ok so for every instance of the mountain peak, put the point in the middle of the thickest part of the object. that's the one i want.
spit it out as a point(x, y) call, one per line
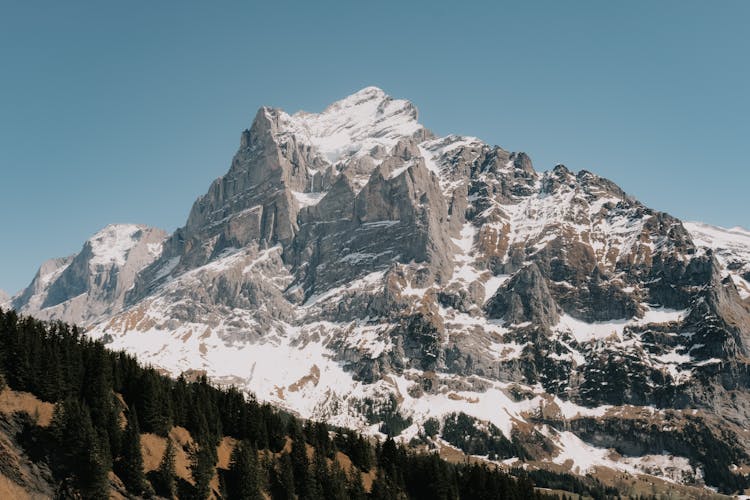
point(367, 93)
point(354, 125)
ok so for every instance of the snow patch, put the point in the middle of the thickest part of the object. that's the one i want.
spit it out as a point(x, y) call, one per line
point(308, 199)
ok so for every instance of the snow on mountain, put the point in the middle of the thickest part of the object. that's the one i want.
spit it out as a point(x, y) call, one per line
point(351, 266)
point(113, 244)
point(358, 124)
point(732, 250)
point(90, 285)
point(4, 297)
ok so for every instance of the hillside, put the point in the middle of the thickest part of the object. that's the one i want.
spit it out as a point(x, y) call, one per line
point(69, 426)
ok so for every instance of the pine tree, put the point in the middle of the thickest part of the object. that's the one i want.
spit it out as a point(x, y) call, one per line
point(202, 469)
point(130, 466)
point(282, 479)
point(331, 478)
point(361, 452)
point(354, 487)
point(300, 463)
point(166, 484)
point(82, 455)
point(155, 407)
point(382, 489)
point(243, 481)
point(319, 476)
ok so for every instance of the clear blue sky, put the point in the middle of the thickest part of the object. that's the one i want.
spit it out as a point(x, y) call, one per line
point(126, 111)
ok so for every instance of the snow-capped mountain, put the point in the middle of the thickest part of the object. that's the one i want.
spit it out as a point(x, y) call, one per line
point(90, 285)
point(352, 266)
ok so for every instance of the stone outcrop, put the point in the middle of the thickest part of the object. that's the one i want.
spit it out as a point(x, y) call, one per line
point(525, 298)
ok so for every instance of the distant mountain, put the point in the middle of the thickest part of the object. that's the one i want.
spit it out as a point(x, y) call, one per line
point(91, 284)
point(354, 267)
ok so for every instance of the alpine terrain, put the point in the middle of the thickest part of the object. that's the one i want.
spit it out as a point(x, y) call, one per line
point(355, 268)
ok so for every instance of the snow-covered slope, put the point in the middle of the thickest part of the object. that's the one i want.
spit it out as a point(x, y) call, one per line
point(354, 126)
point(352, 266)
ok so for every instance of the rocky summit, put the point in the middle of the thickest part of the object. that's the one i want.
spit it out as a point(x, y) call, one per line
point(354, 267)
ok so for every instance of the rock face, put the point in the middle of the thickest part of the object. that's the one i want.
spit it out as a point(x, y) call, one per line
point(352, 266)
point(91, 285)
point(525, 298)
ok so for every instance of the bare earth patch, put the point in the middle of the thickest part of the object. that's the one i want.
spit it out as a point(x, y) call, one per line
point(9, 489)
point(313, 376)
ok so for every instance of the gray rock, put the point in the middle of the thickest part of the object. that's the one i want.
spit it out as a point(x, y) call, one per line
point(525, 298)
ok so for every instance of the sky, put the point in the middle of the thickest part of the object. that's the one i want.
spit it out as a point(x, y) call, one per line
point(126, 111)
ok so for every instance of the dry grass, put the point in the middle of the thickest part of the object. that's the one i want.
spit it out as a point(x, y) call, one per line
point(224, 451)
point(368, 478)
point(118, 488)
point(641, 484)
point(9, 489)
point(279, 392)
point(14, 402)
point(153, 448)
point(559, 493)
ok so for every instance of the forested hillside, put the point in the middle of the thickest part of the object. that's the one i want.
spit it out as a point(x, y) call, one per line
point(105, 401)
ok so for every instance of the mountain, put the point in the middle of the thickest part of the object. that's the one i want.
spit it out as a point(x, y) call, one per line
point(4, 297)
point(91, 284)
point(354, 267)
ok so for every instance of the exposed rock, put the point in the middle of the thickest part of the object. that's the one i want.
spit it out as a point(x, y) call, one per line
point(525, 298)
point(20, 476)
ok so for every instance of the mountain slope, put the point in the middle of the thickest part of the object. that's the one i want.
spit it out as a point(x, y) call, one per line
point(351, 266)
point(91, 285)
point(77, 435)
